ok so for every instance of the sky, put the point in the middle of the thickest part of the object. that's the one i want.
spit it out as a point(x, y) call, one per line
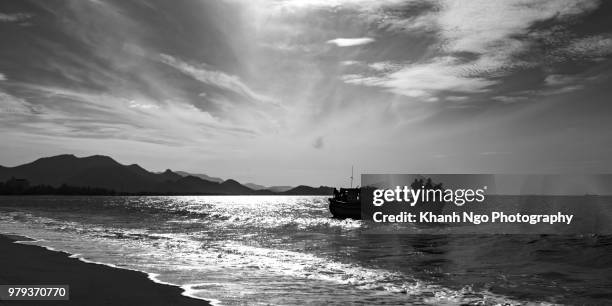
point(290, 92)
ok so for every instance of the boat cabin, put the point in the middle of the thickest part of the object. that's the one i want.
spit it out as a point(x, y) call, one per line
point(347, 194)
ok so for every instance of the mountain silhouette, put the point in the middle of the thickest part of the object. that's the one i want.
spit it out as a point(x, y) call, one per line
point(280, 188)
point(255, 186)
point(168, 175)
point(100, 171)
point(277, 189)
point(307, 190)
point(202, 176)
point(235, 187)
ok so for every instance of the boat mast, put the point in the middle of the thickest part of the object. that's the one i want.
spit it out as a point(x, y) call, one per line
point(351, 176)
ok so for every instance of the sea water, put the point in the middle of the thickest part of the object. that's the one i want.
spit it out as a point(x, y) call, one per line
point(287, 250)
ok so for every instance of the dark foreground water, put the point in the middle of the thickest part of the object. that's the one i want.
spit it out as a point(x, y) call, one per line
point(287, 250)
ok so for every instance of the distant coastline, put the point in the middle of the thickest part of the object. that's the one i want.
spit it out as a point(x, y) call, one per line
point(93, 191)
point(102, 175)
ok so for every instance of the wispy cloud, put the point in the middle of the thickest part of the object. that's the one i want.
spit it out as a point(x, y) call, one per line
point(478, 41)
point(510, 99)
point(590, 47)
point(135, 104)
point(349, 42)
point(456, 98)
point(564, 83)
point(204, 73)
point(425, 79)
point(179, 80)
point(559, 79)
point(364, 5)
point(554, 84)
point(16, 17)
point(561, 90)
point(11, 106)
point(102, 116)
point(481, 26)
point(350, 63)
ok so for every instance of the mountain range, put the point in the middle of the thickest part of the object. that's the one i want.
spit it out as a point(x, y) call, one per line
point(202, 176)
point(272, 188)
point(100, 171)
point(253, 186)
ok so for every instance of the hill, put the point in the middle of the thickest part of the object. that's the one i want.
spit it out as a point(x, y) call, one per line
point(280, 188)
point(202, 176)
point(103, 172)
point(307, 190)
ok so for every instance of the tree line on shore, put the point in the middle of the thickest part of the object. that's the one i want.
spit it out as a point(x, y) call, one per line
point(14, 186)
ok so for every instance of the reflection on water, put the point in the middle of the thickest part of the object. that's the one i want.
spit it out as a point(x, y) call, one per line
point(287, 250)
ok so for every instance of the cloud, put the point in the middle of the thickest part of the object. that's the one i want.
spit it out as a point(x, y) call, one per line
point(349, 42)
point(561, 90)
point(11, 105)
point(477, 43)
point(205, 74)
point(289, 47)
point(592, 46)
point(385, 66)
point(456, 98)
point(556, 84)
point(477, 26)
point(363, 5)
point(16, 17)
point(70, 113)
point(510, 99)
point(349, 63)
point(179, 80)
point(563, 83)
point(559, 79)
point(117, 85)
point(134, 104)
point(426, 79)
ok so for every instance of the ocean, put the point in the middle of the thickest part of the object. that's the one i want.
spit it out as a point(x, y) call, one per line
point(287, 250)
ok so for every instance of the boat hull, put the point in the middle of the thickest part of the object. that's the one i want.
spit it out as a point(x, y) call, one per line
point(345, 210)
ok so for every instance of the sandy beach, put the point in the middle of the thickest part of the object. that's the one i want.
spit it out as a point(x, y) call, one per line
point(90, 284)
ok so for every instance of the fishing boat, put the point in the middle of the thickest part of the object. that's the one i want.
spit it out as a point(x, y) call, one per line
point(345, 204)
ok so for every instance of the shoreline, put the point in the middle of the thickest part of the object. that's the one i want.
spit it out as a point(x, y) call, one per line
point(163, 195)
point(91, 283)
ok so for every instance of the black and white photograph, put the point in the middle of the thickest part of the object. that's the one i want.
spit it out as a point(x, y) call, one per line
point(305, 152)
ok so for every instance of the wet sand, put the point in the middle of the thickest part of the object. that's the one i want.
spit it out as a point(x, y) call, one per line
point(90, 284)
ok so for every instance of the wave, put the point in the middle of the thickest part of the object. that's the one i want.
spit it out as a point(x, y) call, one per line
point(239, 250)
point(313, 268)
point(187, 290)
